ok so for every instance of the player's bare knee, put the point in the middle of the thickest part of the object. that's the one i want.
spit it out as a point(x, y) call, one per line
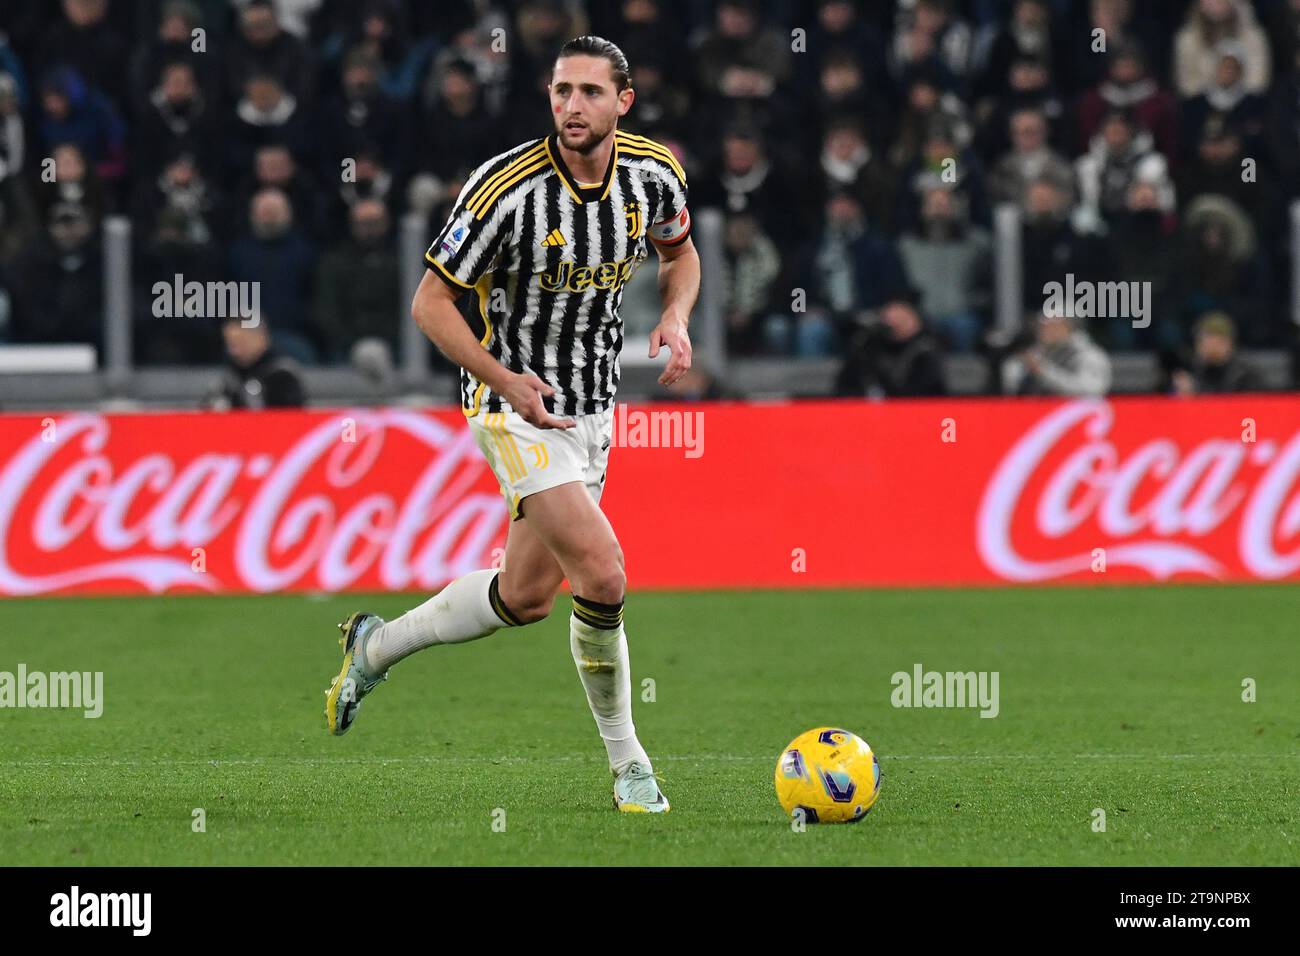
point(605, 580)
point(534, 609)
point(527, 602)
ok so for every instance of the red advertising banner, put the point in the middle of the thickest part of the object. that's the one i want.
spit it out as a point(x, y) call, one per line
point(945, 492)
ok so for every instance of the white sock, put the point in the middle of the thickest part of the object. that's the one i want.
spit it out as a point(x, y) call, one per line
point(462, 611)
point(602, 661)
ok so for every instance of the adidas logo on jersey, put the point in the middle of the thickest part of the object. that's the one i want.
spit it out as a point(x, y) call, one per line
point(556, 238)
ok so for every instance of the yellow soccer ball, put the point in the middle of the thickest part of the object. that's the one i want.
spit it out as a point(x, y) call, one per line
point(831, 775)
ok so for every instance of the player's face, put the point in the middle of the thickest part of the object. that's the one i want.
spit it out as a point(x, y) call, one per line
point(584, 101)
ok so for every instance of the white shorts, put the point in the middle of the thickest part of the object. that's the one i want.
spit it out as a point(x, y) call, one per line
point(526, 459)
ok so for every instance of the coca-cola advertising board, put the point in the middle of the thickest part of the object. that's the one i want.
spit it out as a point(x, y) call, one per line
point(731, 495)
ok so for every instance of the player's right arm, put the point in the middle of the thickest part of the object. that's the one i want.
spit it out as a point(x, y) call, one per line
point(434, 311)
point(461, 254)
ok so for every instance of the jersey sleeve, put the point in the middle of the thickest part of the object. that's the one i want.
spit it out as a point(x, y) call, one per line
point(674, 219)
point(467, 246)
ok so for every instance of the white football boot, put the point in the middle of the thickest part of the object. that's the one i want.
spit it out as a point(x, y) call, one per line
point(343, 698)
point(637, 791)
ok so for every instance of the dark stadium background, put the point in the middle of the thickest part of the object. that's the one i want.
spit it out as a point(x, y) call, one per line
point(817, 131)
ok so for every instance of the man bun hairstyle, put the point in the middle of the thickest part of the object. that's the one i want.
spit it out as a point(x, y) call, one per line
point(602, 49)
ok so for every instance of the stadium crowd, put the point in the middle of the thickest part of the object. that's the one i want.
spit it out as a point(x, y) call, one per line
point(856, 149)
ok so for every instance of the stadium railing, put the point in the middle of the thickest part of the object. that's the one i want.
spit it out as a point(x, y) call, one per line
point(34, 377)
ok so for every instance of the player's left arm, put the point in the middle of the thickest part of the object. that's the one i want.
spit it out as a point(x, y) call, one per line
point(679, 286)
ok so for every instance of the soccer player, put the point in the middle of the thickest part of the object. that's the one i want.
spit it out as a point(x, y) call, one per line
point(545, 236)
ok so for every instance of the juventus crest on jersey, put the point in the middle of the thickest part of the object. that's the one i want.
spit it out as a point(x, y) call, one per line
point(548, 257)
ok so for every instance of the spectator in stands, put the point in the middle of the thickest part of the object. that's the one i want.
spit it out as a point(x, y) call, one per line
point(1197, 46)
point(644, 26)
point(1141, 250)
point(372, 180)
point(1216, 169)
point(895, 358)
point(457, 129)
point(1050, 246)
point(75, 184)
point(257, 376)
point(176, 119)
point(358, 287)
point(948, 258)
point(1226, 100)
point(85, 41)
point(174, 248)
point(848, 162)
point(1215, 366)
point(174, 42)
point(1062, 360)
point(72, 112)
point(1031, 88)
point(13, 151)
point(842, 91)
point(1221, 269)
point(1113, 22)
point(362, 115)
point(1119, 156)
point(741, 55)
point(268, 113)
point(1130, 88)
point(18, 219)
point(400, 58)
point(181, 191)
point(261, 49)
point(1031, 160)
point(943, 164)
point(927, 106)
point(274, 167)
point(59, 282)
point(751, 264)
point(852, 268)
point(277, 255)
point(663, 103)
point(540, 28)
point(749, 181)
point(841, 26)
point(930, 34)
point(15, 77)
point(12, 133)
point(1029, 33)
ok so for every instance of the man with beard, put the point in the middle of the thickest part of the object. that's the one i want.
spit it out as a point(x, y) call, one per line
point(547, 234)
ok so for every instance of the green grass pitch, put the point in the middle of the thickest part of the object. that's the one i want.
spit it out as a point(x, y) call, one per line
point(1125, 699)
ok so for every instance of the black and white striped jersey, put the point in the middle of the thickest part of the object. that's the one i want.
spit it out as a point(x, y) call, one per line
point(547, 257)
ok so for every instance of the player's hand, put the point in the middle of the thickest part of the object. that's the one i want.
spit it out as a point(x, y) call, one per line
point(524, 393)
point(670, 333)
